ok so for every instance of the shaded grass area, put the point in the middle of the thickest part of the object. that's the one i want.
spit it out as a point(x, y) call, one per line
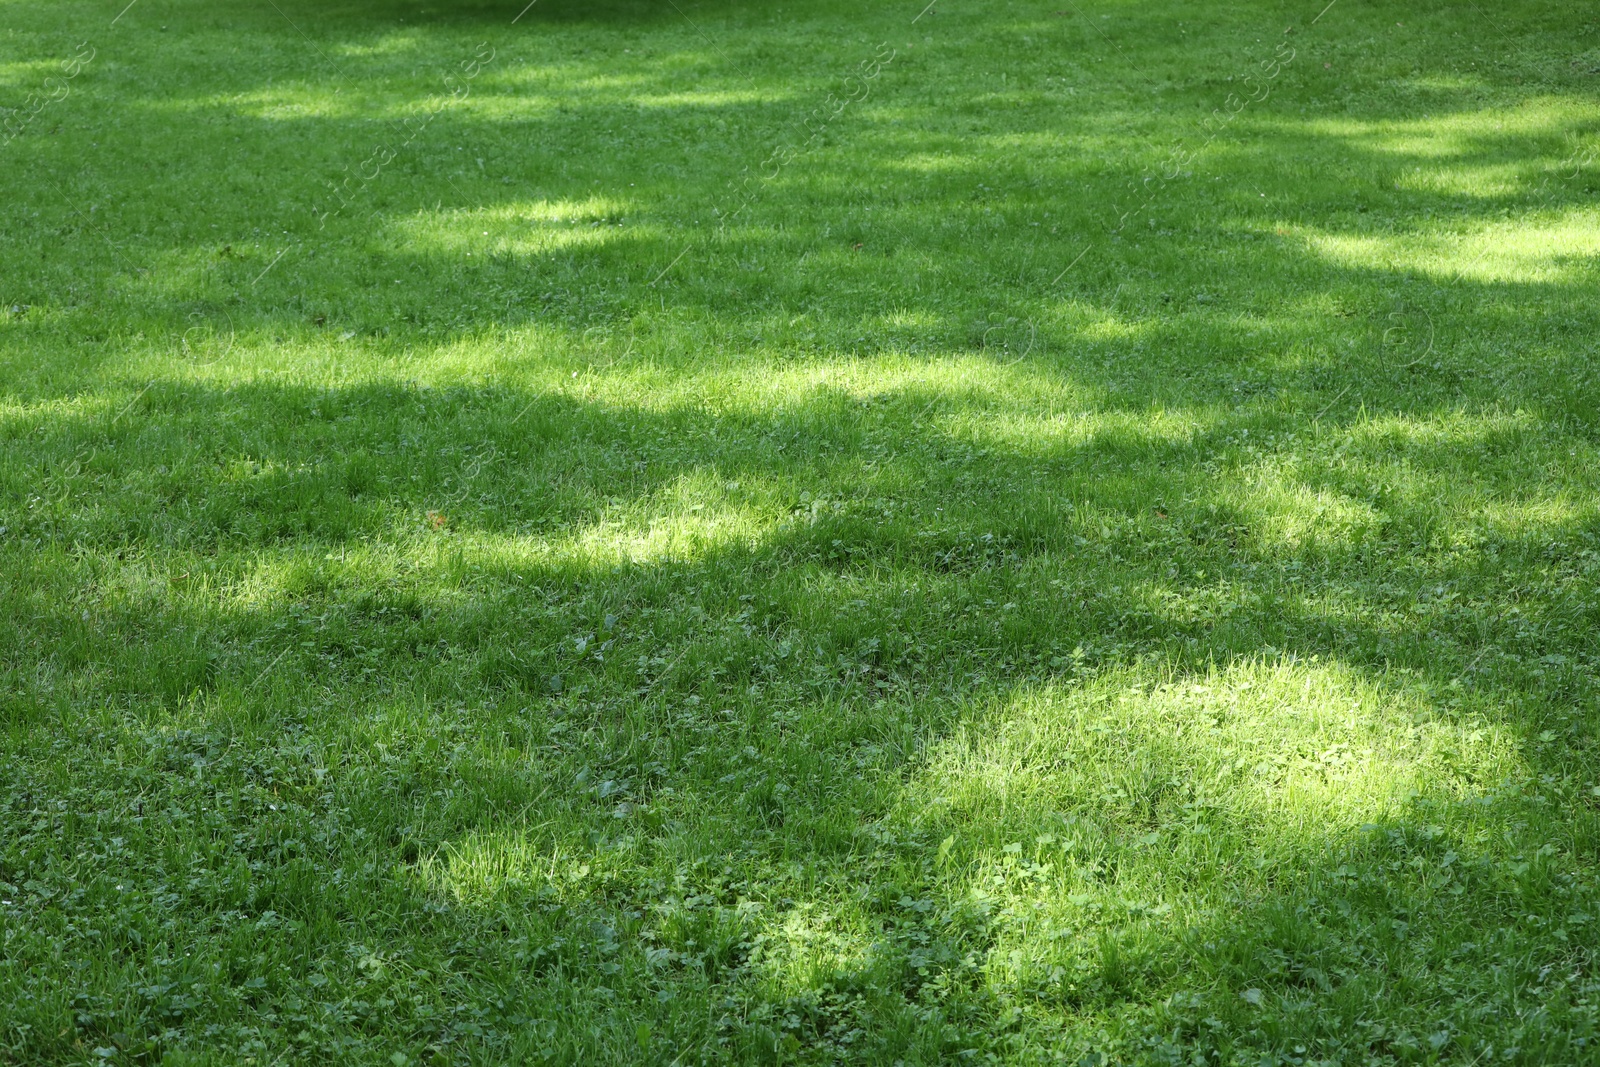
point(559, 582)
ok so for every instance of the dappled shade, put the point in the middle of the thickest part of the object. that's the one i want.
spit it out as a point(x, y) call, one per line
point(1000, 592)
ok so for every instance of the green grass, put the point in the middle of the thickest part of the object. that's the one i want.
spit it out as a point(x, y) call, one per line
point(799, 533)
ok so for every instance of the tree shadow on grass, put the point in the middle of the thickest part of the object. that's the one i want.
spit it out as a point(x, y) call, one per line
point(679, 676)
point(1282, 313)
point(866, 628)
point(842, 235)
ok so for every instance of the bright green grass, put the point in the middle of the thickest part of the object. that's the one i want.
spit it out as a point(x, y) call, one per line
point(550, 614)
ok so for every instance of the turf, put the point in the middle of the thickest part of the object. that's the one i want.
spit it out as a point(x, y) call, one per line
point(728, 533)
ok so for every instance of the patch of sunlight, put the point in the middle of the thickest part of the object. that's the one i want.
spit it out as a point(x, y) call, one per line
point(579, 80)
point(278, 102)
point(1281, 751)
point(697, 514)
point(530, 227)
point(1107, 327)
point(17, 416)
point(25, 76)
point(545, 361)
point(1142, 802)
point(1490, 180)
point(1513, 251)
point(1041, 144)
point(1441, 465)
point(1460, 434)
point(1138, 793)
point(540, 359)
point(393, 43)
point(1283, 514)
point(931, 163)
point(1447, 83)
point(641, 88)
point(1086, 321)
point(1458, 132)
point(703, 98)
point(762, 387)
point(492, 865)
point(108, 402)
point(402, 115)
point(813, 946)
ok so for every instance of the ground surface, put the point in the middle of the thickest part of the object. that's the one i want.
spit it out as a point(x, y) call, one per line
point(710, 532)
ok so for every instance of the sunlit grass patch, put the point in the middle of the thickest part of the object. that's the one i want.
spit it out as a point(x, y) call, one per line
point(278, 103)
point(1561, 251)
point(1487, 180)
point(1081, 846)
point(1460, 133)
point(1091, 828)
point(507, 866)
point(1284, 756)
point(517, 229)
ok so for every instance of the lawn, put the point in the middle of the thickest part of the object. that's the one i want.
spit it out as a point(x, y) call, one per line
point(691, 532)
